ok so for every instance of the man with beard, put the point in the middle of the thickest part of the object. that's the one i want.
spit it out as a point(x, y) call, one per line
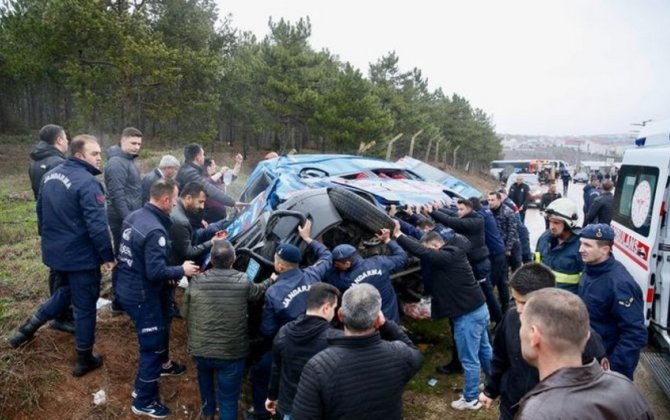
point(558, 247)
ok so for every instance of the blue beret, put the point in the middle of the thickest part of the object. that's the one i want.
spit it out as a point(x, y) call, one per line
point(343, 252)
point(599, 231)
point(289, 253)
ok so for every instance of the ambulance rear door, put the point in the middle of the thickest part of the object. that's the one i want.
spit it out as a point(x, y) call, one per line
point(639, 223)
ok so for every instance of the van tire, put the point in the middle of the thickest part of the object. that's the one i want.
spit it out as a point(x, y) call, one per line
point(357, 209)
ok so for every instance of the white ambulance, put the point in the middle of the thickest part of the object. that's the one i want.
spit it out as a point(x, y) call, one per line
point(639, 219)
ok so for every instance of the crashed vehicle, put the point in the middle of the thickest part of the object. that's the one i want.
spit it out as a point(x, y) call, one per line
point(431, 173)
point(345, 197)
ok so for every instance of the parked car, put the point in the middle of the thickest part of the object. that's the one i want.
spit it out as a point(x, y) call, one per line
point(345, 197)
point(536, 189)
point(431, 173)
point(581, 177)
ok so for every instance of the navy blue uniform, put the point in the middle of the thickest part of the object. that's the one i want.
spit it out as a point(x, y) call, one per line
point(562, 259)
point(616, 312)
point(377, 272)
point(143, 272)
point(72, 220)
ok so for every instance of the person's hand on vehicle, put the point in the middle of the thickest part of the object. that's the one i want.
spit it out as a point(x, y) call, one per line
point(190, 269)
point(384, 235)
point(485, 401)
point(396, 229)
point(271, 406)
point(305, 231)
point(392, 210)
point(221, 235)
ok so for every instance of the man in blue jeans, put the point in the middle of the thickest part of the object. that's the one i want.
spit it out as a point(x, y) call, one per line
point(459, 297)
point(72, 221)
point(143, 272)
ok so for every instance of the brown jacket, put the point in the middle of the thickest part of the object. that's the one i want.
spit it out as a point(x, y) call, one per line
point(586, 392)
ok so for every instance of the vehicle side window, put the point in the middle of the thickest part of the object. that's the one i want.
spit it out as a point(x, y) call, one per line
point(634, 199)
point(260, 185)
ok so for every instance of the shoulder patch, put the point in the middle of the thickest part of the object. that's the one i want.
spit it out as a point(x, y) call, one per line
point(126, 234)
point(626, 302)
point(161, 241)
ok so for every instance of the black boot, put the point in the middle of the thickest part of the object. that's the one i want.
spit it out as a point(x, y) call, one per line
point(62, 325)
point(86, 362)
point(25, 332)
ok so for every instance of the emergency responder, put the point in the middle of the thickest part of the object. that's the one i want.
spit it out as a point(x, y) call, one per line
point(143, 273)
point(72, 221)
point(350, 268)
point(558, 247)
point(613, 299)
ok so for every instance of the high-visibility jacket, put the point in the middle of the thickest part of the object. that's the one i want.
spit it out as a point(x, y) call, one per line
point(562, 259)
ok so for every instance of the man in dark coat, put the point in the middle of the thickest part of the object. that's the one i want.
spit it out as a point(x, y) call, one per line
point(613, 299)
point(47, 154)
point(363, 373)
point(72, 221)
point(590, 193)
point(167, 168)
point(554, 330)
point(457, 296)
point(193, 170)
point(600, 210)
point(143, 274)
point(519, 192)
point(296, 343)
point(124, 188)
point(546, 199)
point(350, 268)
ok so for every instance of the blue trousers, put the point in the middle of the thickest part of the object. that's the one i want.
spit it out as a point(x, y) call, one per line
point(220, 380)
point(474, 348)
point(260, 379)
point(150, 329)
point(81, 288)
point(499, 279)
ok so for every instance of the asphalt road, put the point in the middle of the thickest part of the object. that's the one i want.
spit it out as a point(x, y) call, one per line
point(644, 380)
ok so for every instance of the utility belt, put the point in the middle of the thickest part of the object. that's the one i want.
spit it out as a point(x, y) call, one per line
point(560, 277)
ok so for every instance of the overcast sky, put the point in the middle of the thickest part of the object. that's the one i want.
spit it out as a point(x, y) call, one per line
point(538, 67)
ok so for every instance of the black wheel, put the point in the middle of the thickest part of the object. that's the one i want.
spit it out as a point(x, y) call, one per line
point(358, 210)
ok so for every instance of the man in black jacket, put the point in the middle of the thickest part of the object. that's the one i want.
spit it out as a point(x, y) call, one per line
point(546, 199)
point(167, 168)
point(193, 171)
point(363, 373)
point(601, 208)
point(519, 193)
point(124, 188)
point(296, 343)
point(458, 296)
point(511, 376)
point(47, 154)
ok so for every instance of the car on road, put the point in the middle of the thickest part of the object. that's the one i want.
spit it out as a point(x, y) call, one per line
point(536, 189)
point(581, 177)
point(345, 197)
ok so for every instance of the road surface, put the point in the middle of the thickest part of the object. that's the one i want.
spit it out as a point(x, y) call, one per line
point(644, 381)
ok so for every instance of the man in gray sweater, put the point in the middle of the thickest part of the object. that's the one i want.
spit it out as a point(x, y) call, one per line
point(215, 309)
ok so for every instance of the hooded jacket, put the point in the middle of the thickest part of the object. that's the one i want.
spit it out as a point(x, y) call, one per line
point(44, 157)
point(123, 182)
point(215, 309)
point(72, 219)
point(294, 344)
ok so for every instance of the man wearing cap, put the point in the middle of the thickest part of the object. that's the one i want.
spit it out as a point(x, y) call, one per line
point(350, 268)
point(613, 299)
point(167, 168)
point(284, 302)
point(558, 247)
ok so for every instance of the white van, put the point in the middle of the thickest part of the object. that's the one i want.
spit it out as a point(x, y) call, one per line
point(639, 219)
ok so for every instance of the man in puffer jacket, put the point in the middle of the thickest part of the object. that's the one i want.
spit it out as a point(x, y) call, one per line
point(215, 309)
point(296, 343)
point(124, 188)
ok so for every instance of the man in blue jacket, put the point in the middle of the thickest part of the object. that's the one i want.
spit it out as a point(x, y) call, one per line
point(350, 268)
point(613, 299)
point(590, 193)
point(72, 221)
point(285, 301)
point(143, 273)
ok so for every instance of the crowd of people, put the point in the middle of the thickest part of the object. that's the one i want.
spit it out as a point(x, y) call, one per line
point(567, 327)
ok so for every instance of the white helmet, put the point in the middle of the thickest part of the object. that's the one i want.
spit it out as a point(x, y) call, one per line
point(563, 209)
